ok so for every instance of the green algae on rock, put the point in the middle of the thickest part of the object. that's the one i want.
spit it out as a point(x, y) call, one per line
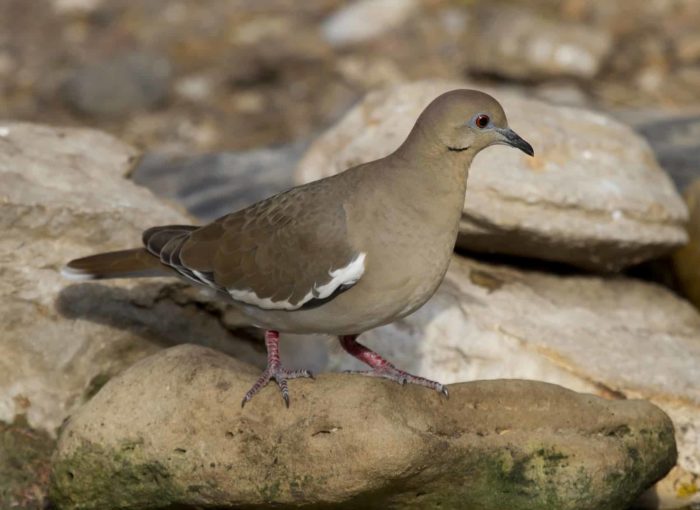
point(170, 432)
point(24, 465)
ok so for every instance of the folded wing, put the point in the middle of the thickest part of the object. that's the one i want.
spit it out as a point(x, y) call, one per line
point(285, 253)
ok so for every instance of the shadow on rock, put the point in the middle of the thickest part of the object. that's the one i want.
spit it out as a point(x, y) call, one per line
point(167, 315)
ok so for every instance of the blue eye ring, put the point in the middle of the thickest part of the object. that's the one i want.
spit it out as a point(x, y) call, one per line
point(482, 121)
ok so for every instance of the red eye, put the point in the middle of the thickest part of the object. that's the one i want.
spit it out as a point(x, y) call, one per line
point(482, 121)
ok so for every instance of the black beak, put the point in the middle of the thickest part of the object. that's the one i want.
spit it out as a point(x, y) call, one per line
point(513, 139)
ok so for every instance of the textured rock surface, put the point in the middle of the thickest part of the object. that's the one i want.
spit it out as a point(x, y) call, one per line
point(170, 431)
point(687, 259)
point(519, 44)
point(619, 338)
point(63, 195)
point(593, 195)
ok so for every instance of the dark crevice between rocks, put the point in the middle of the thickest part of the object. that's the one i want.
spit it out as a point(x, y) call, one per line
point(524, 263)
point(659, 270)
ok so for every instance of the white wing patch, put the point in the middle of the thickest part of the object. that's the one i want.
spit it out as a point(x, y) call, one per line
point(206, 280)
point(344, 276)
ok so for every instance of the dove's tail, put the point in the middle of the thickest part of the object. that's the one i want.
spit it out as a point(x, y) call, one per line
point(134, 263)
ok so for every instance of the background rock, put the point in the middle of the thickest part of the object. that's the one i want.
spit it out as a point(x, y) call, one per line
point(653, 63)
point(592, 196)
point(120, 85)
point(618, 338)
point(63, 195)
point(363, 20)
point(676, 142)
point(518, 43)
point(350, 441)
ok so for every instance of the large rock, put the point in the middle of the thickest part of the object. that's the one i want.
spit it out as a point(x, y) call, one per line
point(619, 338)
point(63, 195)
point(593, 196)
point(518, 43)
point(120, 85)
point(364, 20)
point(170, 432)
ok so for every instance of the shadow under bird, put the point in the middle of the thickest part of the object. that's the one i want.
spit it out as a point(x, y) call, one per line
point(340, 255)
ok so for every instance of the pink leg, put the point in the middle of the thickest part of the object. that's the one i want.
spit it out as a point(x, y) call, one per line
point(382, 368)
point(274, 370)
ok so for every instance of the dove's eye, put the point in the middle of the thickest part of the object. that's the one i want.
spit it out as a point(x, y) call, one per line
point(482, 120)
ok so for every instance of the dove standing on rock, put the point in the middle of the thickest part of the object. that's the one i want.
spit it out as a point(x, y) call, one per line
point(340, 255)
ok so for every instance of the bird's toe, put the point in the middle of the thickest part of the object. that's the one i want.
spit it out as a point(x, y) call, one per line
point(280, 376)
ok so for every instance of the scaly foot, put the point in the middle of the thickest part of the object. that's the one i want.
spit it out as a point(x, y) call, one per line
point(394, 374)
point(274, 371)
point(280, 375)
point(382, 368)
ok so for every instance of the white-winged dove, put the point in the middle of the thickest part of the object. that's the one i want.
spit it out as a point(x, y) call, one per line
point(340, 255)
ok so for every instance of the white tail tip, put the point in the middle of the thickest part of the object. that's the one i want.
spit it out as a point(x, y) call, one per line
point(76, 274)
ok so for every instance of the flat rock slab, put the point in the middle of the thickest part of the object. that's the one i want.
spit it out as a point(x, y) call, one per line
point(170, 431)
point(63, 195)
point(517, 43)
point(593, 195)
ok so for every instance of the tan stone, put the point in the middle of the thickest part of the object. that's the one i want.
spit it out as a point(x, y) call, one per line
point(170, 431)
point(517, 43)
point(63, 195)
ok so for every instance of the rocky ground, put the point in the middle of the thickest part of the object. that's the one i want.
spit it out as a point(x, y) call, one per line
point(578, 267)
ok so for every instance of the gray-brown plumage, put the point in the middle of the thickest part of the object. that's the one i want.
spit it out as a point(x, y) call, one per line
point(340, 255)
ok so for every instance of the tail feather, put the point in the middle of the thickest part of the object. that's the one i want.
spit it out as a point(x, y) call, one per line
point(137, 262)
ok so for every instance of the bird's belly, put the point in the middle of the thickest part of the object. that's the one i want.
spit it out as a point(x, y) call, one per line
point(384, 294)
point(349, 313)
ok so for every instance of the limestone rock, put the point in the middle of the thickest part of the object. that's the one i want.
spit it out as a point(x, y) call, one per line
point(170, 431)
point(364, 20)
point(619, 338)
point(63, 195)
point(120, 85)
point(517, 43)
point(687, 259)
point(593, 196)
